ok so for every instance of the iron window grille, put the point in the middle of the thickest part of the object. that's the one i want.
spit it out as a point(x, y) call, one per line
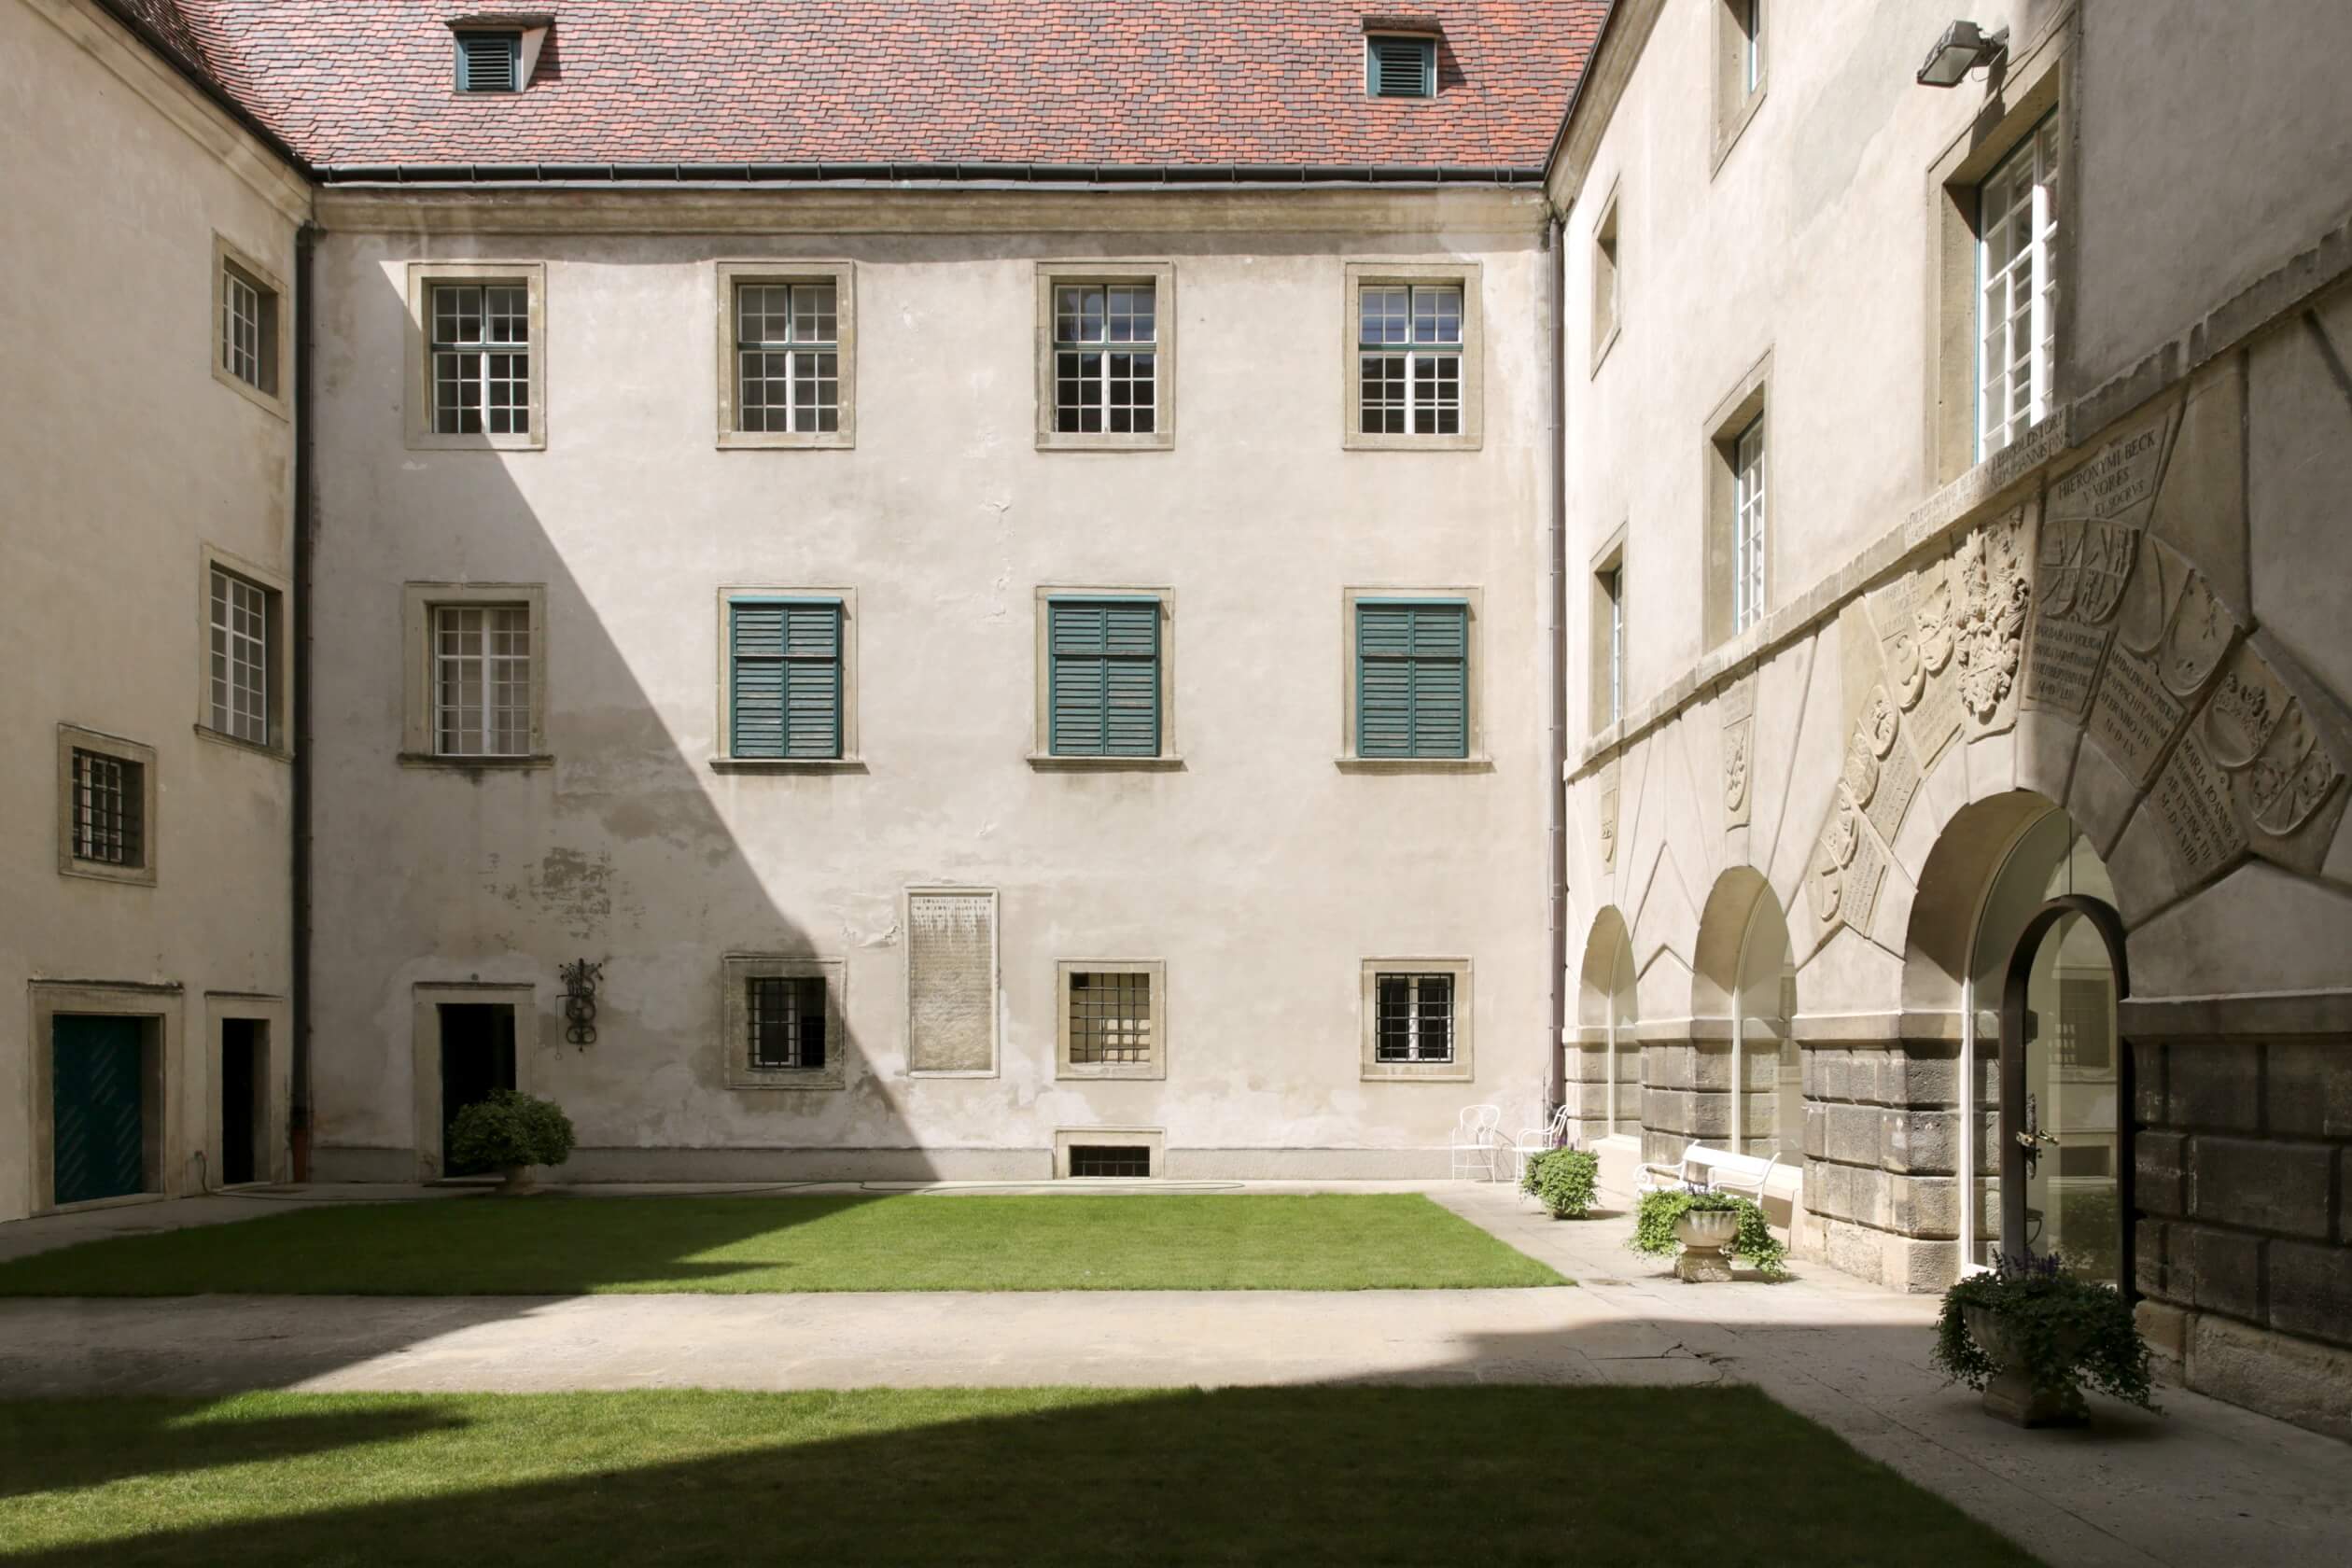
point(240, 658)
point(489, 61)
point(1409, 351)
point(109, 806)
point(1748, 526)
point(1110, 1018)
point(481, 680)
point(1400, 67)
point(788, 357)
point(1415, 1019)
point(245, 336)
point(1106, 358)
point(1109, 1160)
point(481, 351)
point(2017, 323)
point(785, 1018)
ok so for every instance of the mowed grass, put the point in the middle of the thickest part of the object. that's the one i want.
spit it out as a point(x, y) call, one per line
point(555, 1245)
point(1343, 1476)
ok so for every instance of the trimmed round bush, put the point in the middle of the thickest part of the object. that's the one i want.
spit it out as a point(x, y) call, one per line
point(1563, 1181)
point(510, 1129)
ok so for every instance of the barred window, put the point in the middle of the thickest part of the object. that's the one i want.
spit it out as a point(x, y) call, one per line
point(109, 808)
point(481, 349)
point(240, 672)
point(788, 357)
point(1110, 1018)
point(1409, 353)
point(1415, 1018)
point(1106, 358)
point(786, 1018)
point(481, 680)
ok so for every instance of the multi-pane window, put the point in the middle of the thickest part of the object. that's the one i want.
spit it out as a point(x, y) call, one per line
point(245, 307)
point(1106, 358)
point(784, 679)
point(2017, 321)
point(107, 818)
point(785, 1021)
point(1408, 341)
point(1415, 1022)
point(240, 670)
point(1110, 1018)
point(1412, 677)
point(1103, 677)
point(481, 680)
point(480, 348)
point(1748, 526)
point(1613, 595)
point(788, 357)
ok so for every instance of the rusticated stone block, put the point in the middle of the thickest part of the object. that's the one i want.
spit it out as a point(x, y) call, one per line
point(2159, 1161)
point(1836, 1191)
point(2311, 1290)
point(2260, 1184)
point(2279, 1374)
point(1923, 1074)
point(1855, 1250)
point(1711, 1065)
point(1925, 1207)
point(1810, 1070)
point(1835, 1071)
point(1809, 1188)
point(2166, 1330)
point(1854, 1134)
point(1923, 1142)
point(1666, 1111)
point(2309, 1089)
point(2147, 1085)
point(1871, 1204)
point(2213, 1086)
point(1666, 1067)
point(1921, 1267)
point(1817, 1131)
point(2219, 1270)
point(2147, 1259)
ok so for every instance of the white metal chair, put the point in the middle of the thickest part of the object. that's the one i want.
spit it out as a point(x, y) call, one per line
point(1534, 1140)
point(1476, 1141)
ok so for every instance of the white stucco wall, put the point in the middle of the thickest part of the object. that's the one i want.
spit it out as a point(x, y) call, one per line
point(1261, 873)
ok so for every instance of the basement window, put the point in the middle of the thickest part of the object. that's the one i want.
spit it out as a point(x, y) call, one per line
point(1108, 1159)
point(1400, 67)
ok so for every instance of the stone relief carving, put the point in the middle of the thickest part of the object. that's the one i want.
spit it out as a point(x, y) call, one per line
point(1860, 776)
point(1992, 622)
point(1608, 788)
point(2169, 641)
point(951, 975)
point(1739, 740)
point(2090, 526)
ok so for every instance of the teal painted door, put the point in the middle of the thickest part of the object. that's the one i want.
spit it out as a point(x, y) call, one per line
point(98, 1111)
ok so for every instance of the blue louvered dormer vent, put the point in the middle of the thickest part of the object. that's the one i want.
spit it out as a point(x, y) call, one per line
point(489, 61)
point(1400, 67)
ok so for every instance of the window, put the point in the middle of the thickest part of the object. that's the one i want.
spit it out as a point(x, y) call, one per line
point(1109, 1160)
point(1414, 342)
point(1748, 526)
point(2016, 317)
point(1416, 1019)
point(786, 662)
point(1607, 316)
point(475, 691)
point(247, 358)
point(106, 798)
point(1112, 1021)
point(476, 377)
point(489, 61)
point(1752, 50)
point(1106, 376)
point(1739, 70)
point(1104, 686)
point(1400, 67)
point(1412, 677)
point(1608, 643)
point(786, 346)
point(242, 624)
point(783, 1019)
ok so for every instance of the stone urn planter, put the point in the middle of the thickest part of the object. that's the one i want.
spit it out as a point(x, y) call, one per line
point(515, 1180)
point(2010, 1393)
point(1703, 1234)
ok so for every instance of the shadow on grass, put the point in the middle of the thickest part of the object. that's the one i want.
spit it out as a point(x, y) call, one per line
point(148, 1439)
point(1298, 1476)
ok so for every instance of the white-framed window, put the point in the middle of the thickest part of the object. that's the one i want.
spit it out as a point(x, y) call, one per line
point(248, 353)
point(482, 680)
point(1752, 47)
point(1748, 526)
point(1408, 351)
point(1415, 1020)
point(240, 630)
point(481, 358)
point(1114, 1018)
point(1613, 597)
point(242, 318)
point(2017, 289)
point(788, 357)
point(1106, 358)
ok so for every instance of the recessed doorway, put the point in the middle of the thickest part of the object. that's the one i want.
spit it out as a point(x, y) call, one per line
point(477, 1059)
point(244, 1100)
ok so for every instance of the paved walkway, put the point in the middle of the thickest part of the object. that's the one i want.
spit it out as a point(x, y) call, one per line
point(2205, 1484)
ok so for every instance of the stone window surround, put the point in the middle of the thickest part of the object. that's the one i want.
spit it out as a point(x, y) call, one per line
point(1462, 1070)
point(72, 738)
point(1041, 755)
point(1162, 276)
point(159, 1009)
point(1748, 401)
point(418, 600)
point(426, 999)
point(277, 342)
point(735, 1011)
point(843, 276)
point(1607, 280)
point(1477, 760)
point(418, 401)
point(1466, 275)
point(1064, 1068)
point(277, 666)
point(1735, 102)
point(2033, 84)
point(1608, 559)
point(850, 760)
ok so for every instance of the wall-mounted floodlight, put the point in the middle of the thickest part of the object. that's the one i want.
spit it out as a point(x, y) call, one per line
point(1963, 48)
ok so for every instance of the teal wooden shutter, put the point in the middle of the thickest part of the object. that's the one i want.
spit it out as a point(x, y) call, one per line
point(784, 679)
point(489, 61)
point(1103, 677)
point(1412, 679)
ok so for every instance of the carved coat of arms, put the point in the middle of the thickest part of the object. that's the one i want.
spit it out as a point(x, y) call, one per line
point(1992, 616)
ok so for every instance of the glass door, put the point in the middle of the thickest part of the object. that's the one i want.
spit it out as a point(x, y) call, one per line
point(2064, 1137)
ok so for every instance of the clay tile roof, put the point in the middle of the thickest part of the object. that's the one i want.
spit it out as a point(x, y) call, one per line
point(1116, 82)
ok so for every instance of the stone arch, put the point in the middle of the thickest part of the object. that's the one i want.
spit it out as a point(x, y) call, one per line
point(1604, 1068)
point(1969, 851)
point(1745, 1065)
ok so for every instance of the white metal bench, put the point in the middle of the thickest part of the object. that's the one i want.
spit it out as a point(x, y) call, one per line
point(1714, 1170)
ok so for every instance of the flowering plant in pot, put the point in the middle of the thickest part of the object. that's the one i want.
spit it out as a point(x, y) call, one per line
point(510, 1132)
point(1702, 1230)
point(1562, 1181)
point(2029, 1335)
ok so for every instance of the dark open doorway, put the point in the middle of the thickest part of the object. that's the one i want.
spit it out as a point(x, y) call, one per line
point(477, 1056)
point(244, 1119)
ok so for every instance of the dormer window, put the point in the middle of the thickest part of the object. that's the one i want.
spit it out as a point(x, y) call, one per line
point(1400, 66)
point(489, 61)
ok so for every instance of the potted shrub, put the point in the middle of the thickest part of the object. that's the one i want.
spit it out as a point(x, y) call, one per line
point(2029, 1335)
point(511, 1132)
point(1562, 1181)
point(1702, 1231)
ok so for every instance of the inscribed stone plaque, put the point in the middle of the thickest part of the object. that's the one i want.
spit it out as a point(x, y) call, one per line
point(1897, 781)
point(1862, 879)
point(951, 982)
point(2193, 800)
point(2165, 653)
point(2090, 526)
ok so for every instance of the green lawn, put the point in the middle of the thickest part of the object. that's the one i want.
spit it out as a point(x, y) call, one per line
point(555, 1245)
point(1488, 1476)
